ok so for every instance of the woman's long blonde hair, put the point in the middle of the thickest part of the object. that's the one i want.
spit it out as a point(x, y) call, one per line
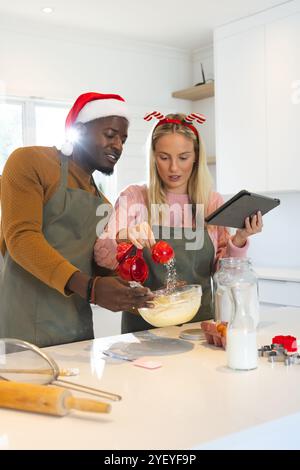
point(200, 182)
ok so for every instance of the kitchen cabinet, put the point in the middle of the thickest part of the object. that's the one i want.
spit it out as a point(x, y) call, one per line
point(283, 103)
point(257, 80)
point(279, 292)
point(105, 322)
point(240, 112)
point(279, 286)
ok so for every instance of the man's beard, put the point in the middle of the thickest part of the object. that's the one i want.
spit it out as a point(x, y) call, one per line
point(106, 171)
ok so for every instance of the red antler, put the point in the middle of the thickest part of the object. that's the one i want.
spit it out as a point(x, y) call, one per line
point(154, 114)
point(196, 117)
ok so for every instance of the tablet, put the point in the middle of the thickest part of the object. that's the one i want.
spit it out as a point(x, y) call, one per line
point(244, 204)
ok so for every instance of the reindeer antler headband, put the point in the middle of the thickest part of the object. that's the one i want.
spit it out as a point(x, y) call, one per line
point(186, 122)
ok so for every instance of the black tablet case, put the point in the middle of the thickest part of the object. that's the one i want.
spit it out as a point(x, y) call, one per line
point(244, 204)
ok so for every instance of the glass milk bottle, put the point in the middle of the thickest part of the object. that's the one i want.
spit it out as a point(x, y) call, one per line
point(241, 343)
point(232, 271)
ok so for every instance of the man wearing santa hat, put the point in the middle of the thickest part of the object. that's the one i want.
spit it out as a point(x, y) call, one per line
point(49, 202)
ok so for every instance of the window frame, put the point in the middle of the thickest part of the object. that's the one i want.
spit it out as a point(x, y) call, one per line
point(28, 105)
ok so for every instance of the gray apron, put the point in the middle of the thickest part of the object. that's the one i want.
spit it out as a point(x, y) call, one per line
point(29, 309)
point(192, 266)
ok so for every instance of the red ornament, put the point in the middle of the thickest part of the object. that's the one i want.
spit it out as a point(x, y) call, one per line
point(123, 250)
point(139, 270)
point(162, 252)
point(134, 268)
point(124, 269)
point(131, 268)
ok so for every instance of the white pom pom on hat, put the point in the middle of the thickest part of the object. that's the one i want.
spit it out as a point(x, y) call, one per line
point(67, 148)
point(90, 106)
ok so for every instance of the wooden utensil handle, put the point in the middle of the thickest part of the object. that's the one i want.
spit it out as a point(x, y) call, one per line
point(45, 399)
point(84, 404)
point(31, 397)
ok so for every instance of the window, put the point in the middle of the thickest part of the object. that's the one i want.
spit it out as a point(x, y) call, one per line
point(39, 122)
point(11, 130)
point(50, 125)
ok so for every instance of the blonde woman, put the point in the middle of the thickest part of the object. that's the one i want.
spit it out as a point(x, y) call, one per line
point(172, 207)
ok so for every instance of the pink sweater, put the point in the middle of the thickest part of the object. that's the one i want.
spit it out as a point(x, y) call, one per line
point(135, 212)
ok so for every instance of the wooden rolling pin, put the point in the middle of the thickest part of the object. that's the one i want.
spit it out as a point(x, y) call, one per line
point(45, 399)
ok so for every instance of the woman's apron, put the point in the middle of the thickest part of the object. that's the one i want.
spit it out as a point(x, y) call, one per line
point(192, 266)
point(29, 309)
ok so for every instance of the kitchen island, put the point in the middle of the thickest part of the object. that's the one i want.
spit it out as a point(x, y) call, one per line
point(193, 401)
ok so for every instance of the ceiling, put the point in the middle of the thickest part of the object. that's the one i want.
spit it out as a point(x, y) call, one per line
point(184, 24)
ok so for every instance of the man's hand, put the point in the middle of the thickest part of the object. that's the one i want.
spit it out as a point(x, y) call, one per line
point(115, 294)
point(112, 293)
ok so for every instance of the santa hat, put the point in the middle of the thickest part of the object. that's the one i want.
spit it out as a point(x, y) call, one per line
point(90, 106)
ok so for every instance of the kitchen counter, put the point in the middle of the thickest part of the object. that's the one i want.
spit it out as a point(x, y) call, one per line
point(193, 401)
point(279, 285)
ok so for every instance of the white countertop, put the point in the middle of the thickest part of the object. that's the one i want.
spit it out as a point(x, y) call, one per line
point(192, 401)
point(278, 274)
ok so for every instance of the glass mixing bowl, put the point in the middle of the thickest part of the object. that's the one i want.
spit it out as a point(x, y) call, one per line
point(174, 308)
